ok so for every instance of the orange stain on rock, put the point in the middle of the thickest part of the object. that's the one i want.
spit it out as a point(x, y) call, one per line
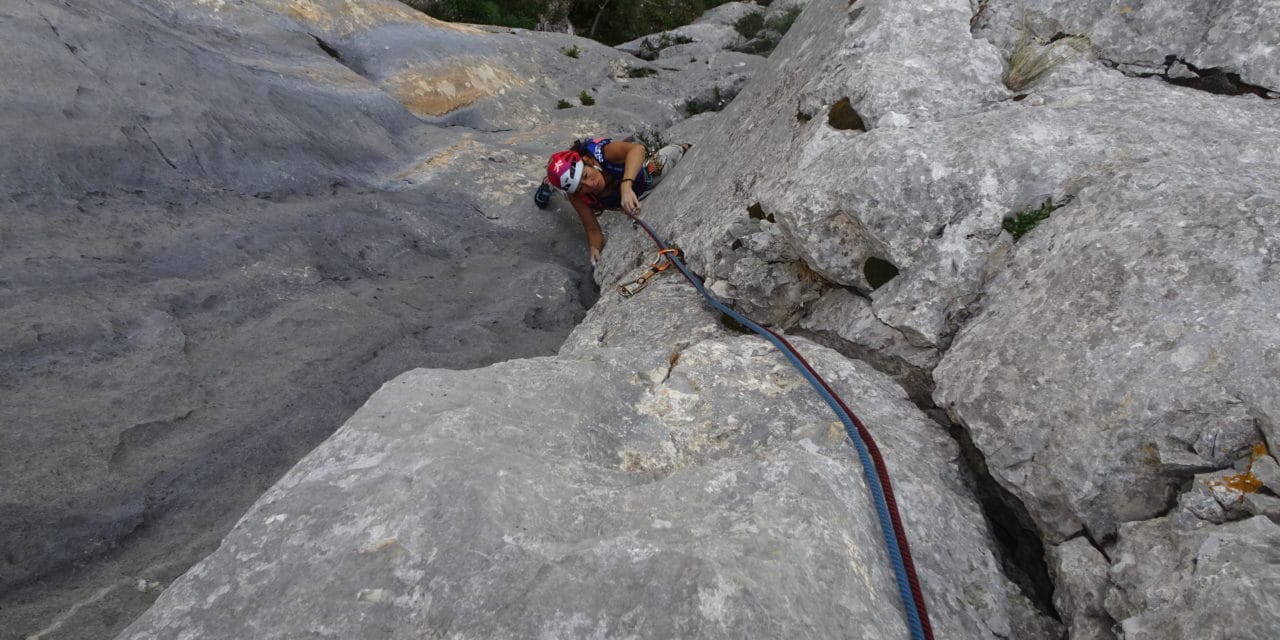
point(438, 160)
point(439, 90)
point(1246, 482)
point(353, 15)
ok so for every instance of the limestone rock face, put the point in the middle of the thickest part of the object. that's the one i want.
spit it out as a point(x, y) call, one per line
point(1109, 363)
point(1185, 580)
point(1152, 37)
point(1136, 320)
point(226, 223)
point(1080, 589)
point(662, 476)
point(615, 492)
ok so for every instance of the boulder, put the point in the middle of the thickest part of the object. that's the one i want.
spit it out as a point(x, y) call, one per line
point(1128, 322)
point(1177, 580)
point(1080, 589)
point(613, 492)
point(1154, 37)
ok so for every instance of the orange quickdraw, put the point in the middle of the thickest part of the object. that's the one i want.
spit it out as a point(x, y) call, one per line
point(660, 264)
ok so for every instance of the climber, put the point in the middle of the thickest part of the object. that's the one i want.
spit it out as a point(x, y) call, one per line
point(600, 173)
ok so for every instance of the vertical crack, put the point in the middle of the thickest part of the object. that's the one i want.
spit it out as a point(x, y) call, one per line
point(160, 151)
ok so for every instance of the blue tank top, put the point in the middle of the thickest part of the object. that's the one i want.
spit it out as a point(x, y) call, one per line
point(611, 198)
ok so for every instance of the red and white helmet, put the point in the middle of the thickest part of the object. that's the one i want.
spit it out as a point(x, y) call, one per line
point(564, 170)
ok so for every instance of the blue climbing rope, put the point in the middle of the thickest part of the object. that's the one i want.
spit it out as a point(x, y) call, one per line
point(903, 569)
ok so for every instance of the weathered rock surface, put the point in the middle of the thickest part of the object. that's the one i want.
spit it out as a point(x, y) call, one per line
point(617, 492)
point(1134, 319)
point(1197, 580)
point(1080, 589)
point(1103, 360)
point(226, 223)
point(1236, 37)
point(1113, 368)
point(668, 312)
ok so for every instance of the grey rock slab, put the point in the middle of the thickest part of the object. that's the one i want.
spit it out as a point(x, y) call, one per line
point(1136, 317)
point(250, 325)
point(1080, 589)
point(611, 493)
point(730, 12)
point(707, 37)
point(929, 199)
point(669, 311)
point(1229, 496)
point(82, 115)
point(1266, 470)
point(915, 59)
point(224, 225)
point(1200, 502)
point(834, 51)
point(1237, 36)
point(1174, 462)
point(1262, 505)
point(845, 322)
point(1176, 580)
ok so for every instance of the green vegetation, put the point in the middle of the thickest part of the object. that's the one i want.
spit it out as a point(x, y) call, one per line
point(503, 13)
point(761, 35)
point(1032, 58)
point(563, 104)
point(782, 23)
point(695, 106)
point(651, 139)
point(609, 22)
point(664, 40)
point(572, 52)
point(586, 99)
point(1025, 221)
point(750, 25)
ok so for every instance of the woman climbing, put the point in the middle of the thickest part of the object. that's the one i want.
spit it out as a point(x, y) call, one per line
point(600, 173)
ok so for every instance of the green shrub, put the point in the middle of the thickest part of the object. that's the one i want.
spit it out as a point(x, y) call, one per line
point(695, 106)
point(572, 52)
point(1019, 224)
point(650, 138)
point(664, 40)
point(586, 99)
point(749, 26)
point(506, 13)
point(563, 104)
point(762, 35)
point(782, 22)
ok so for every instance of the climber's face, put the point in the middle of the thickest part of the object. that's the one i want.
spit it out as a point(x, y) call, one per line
point(592, 179)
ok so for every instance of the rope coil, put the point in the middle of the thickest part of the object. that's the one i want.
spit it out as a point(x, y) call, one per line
point(874, 469)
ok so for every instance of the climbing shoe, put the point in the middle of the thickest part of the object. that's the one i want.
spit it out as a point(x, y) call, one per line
point(542, 196)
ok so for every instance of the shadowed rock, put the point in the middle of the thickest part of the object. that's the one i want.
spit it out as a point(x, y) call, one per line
point(224, 225)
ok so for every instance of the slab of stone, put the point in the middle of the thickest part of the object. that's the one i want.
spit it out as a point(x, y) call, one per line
point(846, 322)
point(668, 312)
point(226, 223)
point(1129, 321)
point(1265, 469)
point(1235, 36)
point(1080, 589)
point(1174, 580)
point(614, 492)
